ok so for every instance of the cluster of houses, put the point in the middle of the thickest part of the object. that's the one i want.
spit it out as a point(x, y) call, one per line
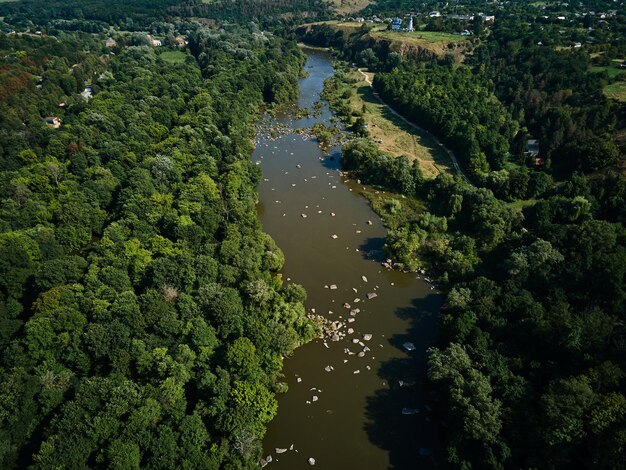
point(55, 123)
point(398, 24)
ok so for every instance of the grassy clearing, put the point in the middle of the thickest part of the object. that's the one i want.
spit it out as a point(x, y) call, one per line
point(519, 205)
point(173, 57)
point(616, 91)
point(435, 42)
point(393, 135)
point(344, 7)
point(417, 37)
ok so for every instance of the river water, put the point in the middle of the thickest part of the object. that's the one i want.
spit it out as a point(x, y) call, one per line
point(357, 419)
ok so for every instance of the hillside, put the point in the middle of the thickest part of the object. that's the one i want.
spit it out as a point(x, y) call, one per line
point(417, 44)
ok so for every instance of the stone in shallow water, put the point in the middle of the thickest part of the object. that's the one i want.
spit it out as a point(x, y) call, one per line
point(311, 461)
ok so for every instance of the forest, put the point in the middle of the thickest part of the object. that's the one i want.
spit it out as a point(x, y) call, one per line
point(143, 322)
point(143, 318)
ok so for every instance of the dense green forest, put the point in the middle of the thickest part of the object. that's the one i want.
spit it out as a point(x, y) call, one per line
point(142, 319)
point(96, 15)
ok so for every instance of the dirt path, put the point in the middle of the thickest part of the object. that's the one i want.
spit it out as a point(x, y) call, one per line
point(453, 159)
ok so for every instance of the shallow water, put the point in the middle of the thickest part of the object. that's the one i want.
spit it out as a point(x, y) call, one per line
point(357, 420)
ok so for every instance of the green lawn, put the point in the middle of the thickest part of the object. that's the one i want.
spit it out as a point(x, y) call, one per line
point(616, 91)
point(522, 203)
point(173, 57)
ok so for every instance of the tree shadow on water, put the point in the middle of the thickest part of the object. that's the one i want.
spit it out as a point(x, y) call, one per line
point(387, 426)
point(372, 248)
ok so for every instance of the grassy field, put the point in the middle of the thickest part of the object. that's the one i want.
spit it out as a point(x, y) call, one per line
point(417, 37)
point(616, 91)
point(173, 57)
point(393, 135)
point(344, 7)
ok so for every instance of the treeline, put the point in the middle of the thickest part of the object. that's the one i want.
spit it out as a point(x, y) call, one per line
point(90, 15)
point(267, 12)
point(142, 319)
point(126, 15)
point(529, 370)
point(455, 105)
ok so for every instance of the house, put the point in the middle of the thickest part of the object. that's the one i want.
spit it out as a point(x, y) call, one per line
point(87, 92)
point(532, 147)
point(180, 41)
point(110, 42)
point(434, 14)
point(488, 18)
point(396, 24)
point(53, 122)
point(154, 42)
point(532, 152)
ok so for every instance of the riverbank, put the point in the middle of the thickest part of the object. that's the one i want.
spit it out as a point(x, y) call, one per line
point(344, 407)
point(352, 96)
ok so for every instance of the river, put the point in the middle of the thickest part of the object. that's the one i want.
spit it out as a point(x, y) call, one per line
point(351, 416)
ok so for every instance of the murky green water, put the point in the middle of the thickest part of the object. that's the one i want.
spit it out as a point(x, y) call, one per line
point(356, 420)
